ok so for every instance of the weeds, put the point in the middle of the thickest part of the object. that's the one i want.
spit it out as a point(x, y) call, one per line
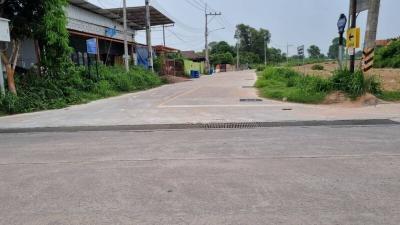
point(285, 83)
point(317, 67)
point(40, 93)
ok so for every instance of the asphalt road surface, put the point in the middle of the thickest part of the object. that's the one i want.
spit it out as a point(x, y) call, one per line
point(277, 175)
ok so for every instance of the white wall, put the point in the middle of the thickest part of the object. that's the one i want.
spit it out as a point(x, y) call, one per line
point(82, 20)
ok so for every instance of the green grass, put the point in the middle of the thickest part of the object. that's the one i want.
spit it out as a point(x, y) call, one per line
point(284, 83)
point(37, 93)
point(391, 96)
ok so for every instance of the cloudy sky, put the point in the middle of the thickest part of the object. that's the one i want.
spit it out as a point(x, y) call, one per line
point(293, 22)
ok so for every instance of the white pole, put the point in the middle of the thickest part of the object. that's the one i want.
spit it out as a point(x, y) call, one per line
point(148, 36)
point(3, 91)
point(126, 55)
point(265, 50)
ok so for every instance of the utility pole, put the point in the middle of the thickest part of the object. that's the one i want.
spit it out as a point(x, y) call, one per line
point(237, 37)
point(163, 30)
point(372, 24)
point(237, 56)
point(206, 33)
point(148, 36)
point(265, 49)
point(353, 25)
point(287, 52)
point(126, 55)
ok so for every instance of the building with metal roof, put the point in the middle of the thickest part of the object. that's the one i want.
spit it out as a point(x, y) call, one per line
point(89, 21)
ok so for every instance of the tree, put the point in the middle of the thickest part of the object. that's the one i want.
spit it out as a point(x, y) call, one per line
point(314, 51)
point(41, 20)
point(221, 58)
point(221, 47)
point(333, 52)
point(54, 38)
point(252, 40)
point(24, 16)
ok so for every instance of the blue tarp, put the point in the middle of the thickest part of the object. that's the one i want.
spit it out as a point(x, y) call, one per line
point(142, 54)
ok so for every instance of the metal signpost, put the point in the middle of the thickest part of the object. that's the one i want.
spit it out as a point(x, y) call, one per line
point(341, 27)
point(4, 37)
point(91, 48)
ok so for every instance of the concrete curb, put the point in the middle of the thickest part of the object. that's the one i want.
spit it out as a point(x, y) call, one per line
point(203, 126)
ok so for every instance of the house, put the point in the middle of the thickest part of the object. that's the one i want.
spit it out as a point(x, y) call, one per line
point(193, 56)
point(89, 21)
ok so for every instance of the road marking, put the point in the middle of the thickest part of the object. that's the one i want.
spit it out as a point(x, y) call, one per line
point(177, 96)
point(222, 106)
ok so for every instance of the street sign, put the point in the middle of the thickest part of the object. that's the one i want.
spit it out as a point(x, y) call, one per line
point(111, 32)
point(4, 30)
point(91, 46)
point(341, 24)
point(353, 38)
point(300, 50)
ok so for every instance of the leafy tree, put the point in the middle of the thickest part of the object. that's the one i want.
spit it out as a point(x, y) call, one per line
point(275, 55)
point(221, 58)
point(221, 47)
point(55, 38)
point(249, 58)
point(333, 52)
point(42, 20)
point(388, 56)
point(314, 51)
point(252, 40)
point(24, 16)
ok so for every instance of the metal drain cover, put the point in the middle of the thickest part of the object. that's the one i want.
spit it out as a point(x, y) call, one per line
point(247, 86)
point(250, 100)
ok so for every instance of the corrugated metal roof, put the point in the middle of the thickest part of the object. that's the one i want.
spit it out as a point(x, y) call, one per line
point(135, 15)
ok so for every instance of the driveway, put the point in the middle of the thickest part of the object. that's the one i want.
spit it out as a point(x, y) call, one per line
point(213, 98)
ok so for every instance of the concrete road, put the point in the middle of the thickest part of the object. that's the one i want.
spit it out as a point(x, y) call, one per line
point(209, 99)
point(285, 175)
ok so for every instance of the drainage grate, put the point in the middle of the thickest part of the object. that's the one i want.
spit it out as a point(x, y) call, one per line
point(247, 86)
point(231, 125)
point(250, 100)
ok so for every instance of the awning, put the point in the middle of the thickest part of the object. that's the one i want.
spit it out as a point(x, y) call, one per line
point(137, 15)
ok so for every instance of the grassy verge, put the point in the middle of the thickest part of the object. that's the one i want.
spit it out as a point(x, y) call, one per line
point(37, 92)
point(391, 96)
point(286, 84)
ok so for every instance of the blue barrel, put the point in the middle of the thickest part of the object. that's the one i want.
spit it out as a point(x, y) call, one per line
point(194, 74)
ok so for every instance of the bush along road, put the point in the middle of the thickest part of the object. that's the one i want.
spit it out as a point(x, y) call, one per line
point(37, 92)
point(286, 84)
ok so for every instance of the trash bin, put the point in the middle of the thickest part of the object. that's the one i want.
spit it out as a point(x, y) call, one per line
point(194, 74)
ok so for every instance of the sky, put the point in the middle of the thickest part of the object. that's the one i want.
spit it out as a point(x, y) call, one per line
point(291, 22)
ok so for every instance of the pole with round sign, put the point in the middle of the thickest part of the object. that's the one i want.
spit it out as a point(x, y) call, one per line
point(341, 24)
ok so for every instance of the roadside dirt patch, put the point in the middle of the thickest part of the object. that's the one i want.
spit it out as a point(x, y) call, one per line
point(175, 79)
point(390, 78)
point(340, 98)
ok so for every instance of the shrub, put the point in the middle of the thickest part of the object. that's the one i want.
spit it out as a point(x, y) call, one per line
point(355, 84)
point(317, 67)
point(260, 68)
point(279, 83)
point(388, 56)
point(43, 92)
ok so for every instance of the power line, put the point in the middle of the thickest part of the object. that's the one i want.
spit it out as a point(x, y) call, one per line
point(194, 5)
